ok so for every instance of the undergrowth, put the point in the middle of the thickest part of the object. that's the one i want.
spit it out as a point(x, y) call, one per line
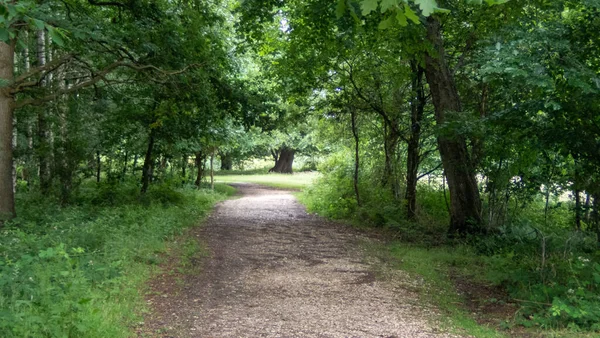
point(77, 270)
point(549, 269)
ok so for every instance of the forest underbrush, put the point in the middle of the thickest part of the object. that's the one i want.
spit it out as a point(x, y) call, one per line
point(533, 275)
point(78, 270)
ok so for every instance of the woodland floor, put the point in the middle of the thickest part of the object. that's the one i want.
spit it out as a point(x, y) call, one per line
point(272, 270)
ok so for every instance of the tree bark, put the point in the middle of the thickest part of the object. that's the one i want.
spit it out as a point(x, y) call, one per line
point(44, 139)
point(595, 215)
point(148, 163)
point(65, 163)
point(212, 170)
point(356, 155)
point(7, 107)
point(465, 203)
point(390, 145)
point(200, 167)
point(98, 166)
point(126, 160)
point(413, 157)
point(284, 162)
point(577, 209)
point(184, 162)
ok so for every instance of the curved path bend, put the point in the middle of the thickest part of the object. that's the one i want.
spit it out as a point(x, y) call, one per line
point(275, 271)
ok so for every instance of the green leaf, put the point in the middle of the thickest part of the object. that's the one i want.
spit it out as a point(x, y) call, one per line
point(402, 19)
point(39, 24)
point(387, 4)
point(340, 9)
point(4, 36)
point(410, 14)
point(368, 6)
point(387, 23)
point(427, 6)
point(56, 35)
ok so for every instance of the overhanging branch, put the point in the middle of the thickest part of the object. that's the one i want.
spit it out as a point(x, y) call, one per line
point(99, 76)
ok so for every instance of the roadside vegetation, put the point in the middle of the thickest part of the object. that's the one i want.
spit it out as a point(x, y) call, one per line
point(534, 272)
point(80, 270)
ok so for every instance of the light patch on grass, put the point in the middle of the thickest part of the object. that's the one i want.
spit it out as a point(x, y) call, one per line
point(287, 181)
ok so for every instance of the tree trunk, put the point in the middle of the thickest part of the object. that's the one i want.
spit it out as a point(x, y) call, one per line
point(7, 107)
point(356, 155)
point(226, 161)
point(98, 166)
point(595, 215)
point(587, 208)
point(413, 157)
point(44, 139)
point(14, 149)
point(65, 164)
point(390, 146)
point(135, 161)
point(465, 203)
point(285, 161)
point(124, 171)
point(212, 170)
point(184, 160)
point(577, 209)
point(200, 167)
point(29, 131)
point(148, 163)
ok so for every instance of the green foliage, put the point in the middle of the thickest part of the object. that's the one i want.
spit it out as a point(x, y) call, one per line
point(332, 195)
point(77, 271)
point(553, 271)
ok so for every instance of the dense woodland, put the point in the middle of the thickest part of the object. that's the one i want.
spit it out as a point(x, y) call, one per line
point(455, 123)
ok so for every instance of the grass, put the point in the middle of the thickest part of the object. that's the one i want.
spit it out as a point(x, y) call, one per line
point(433, 267)
point(297, 181)
point(81, 270)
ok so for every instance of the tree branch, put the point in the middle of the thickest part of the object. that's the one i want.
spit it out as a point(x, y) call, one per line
point(96, 77)
point(20, 83)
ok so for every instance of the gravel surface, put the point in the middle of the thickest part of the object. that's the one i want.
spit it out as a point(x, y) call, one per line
point(276, 271)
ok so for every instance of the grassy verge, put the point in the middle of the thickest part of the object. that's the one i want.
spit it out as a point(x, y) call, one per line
point(297, 181)
point(432, 270)
point(78, 271)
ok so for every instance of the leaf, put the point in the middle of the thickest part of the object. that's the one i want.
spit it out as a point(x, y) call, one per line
point(387, 4)
point(402, 19)
point(387, 23)
point(368, 6)
point(427, 6)
point(340, 9)
point(4, 34)
point(39, 24)
point(410, 14)
point(56, 36)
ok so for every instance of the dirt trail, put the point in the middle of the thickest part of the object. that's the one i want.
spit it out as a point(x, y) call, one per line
point(276, 271)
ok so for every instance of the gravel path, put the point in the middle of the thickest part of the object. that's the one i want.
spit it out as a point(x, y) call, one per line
point(276, 271)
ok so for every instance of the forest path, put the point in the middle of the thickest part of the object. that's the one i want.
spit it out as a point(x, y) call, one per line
point(276, 271)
